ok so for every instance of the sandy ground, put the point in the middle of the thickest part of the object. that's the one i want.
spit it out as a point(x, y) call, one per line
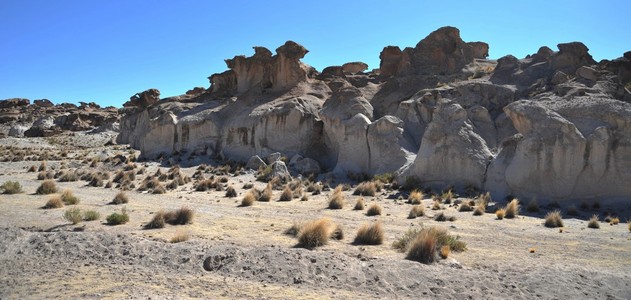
point(248, 255)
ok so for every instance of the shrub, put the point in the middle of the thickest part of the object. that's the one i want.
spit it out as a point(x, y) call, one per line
point(157, 221)
point(47, 187)
point(117, 219)
point(369, 234)
point(91, 215)
point(436, 205)
point(401, 243)
point(374, 210)
point(416, 211)
point(614, 221)
point(316, 233)
point(479, 209)
point(385, 177)
point(448, 197)
point(336, 201)
point(359, 205)
point(367, 188)
point(266, 196)
point(441, 217)
point(54, 202)
point(180, 237)
point(512, 209)
point(287, 194)
point(68, 198)
point(533, 206)
point(181, 216)
point(32, 169)
point(11, 187)
point(97, 181)
point(205, 185)
point(73, 215)
point(294, 229)
point(305, 197)
point(42, 167)
point(416, 197)
point(500, 213)
point(465, 207)
point(593, 222)
point(159, 189)
point(69, 176)
point(248, 199)
point(426, 242)
point(553, 219)
point(120, 198)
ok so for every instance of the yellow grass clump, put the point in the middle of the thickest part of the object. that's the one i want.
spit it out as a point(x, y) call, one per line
point(370, 234)
point(248, 199)
point(336, 201)
point(512, 209)
point(593, 222)
point(416, 197)
point(553, 219)
point(416, 211)
point(317, 233)
point(359, 205)
point(374, 210)
point(500, 213)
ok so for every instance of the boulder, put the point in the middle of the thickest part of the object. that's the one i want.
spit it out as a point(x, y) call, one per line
point(255, 162)
point(393, 61)
point(17, 130)
point(587, 73)
point(304, 165)
point(43, 103)
point(354, 67)
point(570, 57)
point(14, 102)
point(273, 157)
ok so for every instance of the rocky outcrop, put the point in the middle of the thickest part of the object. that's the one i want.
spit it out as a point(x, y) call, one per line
point(554, 125)
point(262, 71)
point(43, 103)
point(14, 102)
point(143, 99)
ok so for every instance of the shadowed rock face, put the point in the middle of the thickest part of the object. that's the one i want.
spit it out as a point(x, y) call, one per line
point(555, 125)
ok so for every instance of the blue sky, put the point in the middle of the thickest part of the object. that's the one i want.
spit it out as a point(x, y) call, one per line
point(105, 51)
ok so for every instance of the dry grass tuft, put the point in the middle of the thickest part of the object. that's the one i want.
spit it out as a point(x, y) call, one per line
point(68, 198)
point(157, 221)
point(512, 209)
point(436, 205)
point(120, 198)
point(294, 229)
point(370, 234)
point(359, 205)
point(593, 222)
point(248, 199)
point(444, 251)
point(416, 211)
point(181, 216)
point(47, 187)
point(336, 201)
point(367, 188)
point(500, 213)
point(316, 233)
point(614, 221)
point(374, 210)
point(266, 196)
point(91, 215)
point(11, 187)
point(231, 192)
point(416, 197)
point(54, 202)
point(73, 215)
point(465, 207)
point(422, 245)
point(287, 194)
point(180, 237)
point(553, 219)
point(118, 218)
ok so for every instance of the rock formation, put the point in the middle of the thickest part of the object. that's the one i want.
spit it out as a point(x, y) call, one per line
point(553, 125)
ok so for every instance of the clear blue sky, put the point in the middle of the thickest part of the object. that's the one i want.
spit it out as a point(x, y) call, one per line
point(105, 51)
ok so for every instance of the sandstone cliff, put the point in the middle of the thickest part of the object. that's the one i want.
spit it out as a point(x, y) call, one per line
point(555, 125)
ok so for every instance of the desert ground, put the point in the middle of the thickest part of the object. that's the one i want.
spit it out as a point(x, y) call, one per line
point(245, 252)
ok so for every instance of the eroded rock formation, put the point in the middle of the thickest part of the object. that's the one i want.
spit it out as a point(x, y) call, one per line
point(553, 125)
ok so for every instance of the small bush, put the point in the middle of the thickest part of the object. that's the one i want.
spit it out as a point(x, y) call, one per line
point(248, 199)
point(11, 187)
point(54, 202)
point(117, 219)
point(614, 221)
point(500, 213)
point(359, 205)
point(374, 210)
point(448, 197)
point(533, 206)
point(47, 187)
point(512, 209)
point(416, 197)
point(441, 217)
point(336, 201)
point(205, 185)
point(180, 237)
point(385, 177)
point(401, 243)
point(479, 209)
point(73, 215)
point(287, 194)
point(367, 188)
point(157, 221)
point(91, 215)
point(553, 219)
point(42, 167)
point(120, 198)
point(444, 251)
point(68, 198)
point(316, 233)
point(436, 205)
point(593, 222)
point(181, 216)
point(231, 192)
point(416, 211)
point(369, 234)
point(69, 176)
point(32, 169)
